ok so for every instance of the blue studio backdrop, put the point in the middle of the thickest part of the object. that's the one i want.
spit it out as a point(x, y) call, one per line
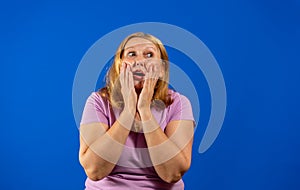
point(256, 45)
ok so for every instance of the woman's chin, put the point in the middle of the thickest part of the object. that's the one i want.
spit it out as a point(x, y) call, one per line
point(138, 85)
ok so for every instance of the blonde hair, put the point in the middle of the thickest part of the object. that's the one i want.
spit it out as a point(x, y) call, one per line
point(112, 91)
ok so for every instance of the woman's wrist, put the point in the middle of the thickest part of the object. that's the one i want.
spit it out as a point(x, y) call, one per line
point(148, 122)
point(150, 126)
point(145, 114)
point(126, 118)
point(129, 110)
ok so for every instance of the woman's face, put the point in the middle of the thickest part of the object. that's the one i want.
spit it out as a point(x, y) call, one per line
point(142, 55)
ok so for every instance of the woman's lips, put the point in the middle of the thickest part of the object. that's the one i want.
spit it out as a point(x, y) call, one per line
point(137, 75)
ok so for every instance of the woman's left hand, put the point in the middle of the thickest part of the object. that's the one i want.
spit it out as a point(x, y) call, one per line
point(147, 92)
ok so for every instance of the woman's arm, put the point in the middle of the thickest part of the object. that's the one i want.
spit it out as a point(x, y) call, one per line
point(100, 146)
point(170, 151)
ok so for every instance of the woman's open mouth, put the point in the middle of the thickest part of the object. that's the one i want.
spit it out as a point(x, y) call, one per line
point(138, 75)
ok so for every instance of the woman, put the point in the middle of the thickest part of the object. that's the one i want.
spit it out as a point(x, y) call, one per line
point(135, 133)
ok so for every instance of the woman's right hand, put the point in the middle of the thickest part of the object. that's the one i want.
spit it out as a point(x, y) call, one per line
point(127, 88)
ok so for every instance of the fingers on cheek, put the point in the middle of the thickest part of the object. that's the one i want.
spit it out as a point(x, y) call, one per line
point(123, 67)
point(152, 70)
point(130, 79)
point(152, 73)
point(121, 77)
point(155, 71)
point(127, 74)
point(158, 71)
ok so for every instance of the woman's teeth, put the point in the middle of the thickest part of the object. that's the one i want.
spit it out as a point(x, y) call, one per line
point(139, 74)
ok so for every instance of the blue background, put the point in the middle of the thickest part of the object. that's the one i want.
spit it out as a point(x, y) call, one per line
point(256, 44)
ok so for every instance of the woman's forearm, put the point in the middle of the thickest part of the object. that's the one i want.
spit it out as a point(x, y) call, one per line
point(169, 162)
point(103, 152)
point(166, 153)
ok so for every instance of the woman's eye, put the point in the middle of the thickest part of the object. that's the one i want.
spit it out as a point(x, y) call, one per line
point(131, 54)
point(149, 55)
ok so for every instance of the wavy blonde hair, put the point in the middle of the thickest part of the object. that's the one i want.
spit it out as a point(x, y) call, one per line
point(112, 91)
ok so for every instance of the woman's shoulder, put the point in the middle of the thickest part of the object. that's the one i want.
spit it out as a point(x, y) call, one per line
point(99, 97)
point(179, 101)
point(176, 96)
point(181, 108)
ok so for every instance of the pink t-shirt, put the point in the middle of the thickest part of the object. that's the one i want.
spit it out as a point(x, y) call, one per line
point(134, 170)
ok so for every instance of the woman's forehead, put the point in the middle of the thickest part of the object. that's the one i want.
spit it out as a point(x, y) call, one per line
point(139, 42)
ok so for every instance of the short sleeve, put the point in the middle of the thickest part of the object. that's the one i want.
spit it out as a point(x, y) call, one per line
point(180, 109)
point(94, 110)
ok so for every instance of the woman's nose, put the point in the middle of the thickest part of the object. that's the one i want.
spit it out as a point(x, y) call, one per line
point(138, 63)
